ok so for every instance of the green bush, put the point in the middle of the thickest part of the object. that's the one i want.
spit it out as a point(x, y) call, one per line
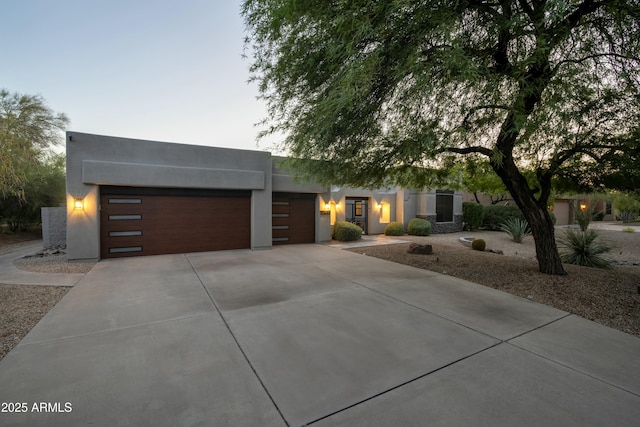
point(419, 227)
point(627, 216)
point(394, 229)
point(517, 228)
point(346, 232)
point(478, 244)
point(495, 215)
point(583, 248)
point(472, 215)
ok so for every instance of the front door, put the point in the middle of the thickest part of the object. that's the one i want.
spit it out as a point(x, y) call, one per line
point(357, 212)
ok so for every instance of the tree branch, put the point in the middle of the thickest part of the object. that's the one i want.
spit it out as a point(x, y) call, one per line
point(466, 150)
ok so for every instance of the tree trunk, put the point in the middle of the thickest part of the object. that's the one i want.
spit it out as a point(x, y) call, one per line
point(536, 214)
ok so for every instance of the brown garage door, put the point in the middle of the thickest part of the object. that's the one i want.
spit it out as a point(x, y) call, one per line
point(141, 221)
point(293, 218)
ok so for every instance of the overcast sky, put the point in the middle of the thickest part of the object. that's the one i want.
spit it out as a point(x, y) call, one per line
point(166, 70)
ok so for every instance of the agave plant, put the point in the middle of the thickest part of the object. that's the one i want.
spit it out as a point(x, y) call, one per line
point(583, 248)
point(517, 228)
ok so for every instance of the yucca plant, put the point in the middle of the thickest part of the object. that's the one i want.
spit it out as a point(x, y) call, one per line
point(517, 228)
point(583, 248)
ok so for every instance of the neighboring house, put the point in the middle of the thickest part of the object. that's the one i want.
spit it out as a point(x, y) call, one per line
point(563, 207)
point(129, 197)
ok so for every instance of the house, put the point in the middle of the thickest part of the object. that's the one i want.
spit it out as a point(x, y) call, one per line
point(128, 197)
point(564, 207)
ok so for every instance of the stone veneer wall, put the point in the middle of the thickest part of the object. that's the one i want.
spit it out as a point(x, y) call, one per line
point(54, 227)
point(443, 227)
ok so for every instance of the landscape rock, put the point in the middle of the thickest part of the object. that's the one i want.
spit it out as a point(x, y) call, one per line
point(416, 248)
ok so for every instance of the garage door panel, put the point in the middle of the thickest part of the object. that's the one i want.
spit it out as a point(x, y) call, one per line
point(293, 218)
point(173, 224)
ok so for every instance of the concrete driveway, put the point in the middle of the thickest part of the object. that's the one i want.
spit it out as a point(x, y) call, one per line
point(308, 334)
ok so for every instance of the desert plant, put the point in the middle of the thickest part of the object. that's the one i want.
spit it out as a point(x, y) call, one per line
point(478, 245)
point(472, 215)
point(517, 228)
point(584, 217)
point(346, 232)
point(419, 227)
point(394, 229)
point(495, 215)
point(583, 248)
point(627, 216)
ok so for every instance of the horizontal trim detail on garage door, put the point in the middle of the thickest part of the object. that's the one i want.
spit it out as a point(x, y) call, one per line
point(124, 217)
point(124, 201)
point(143, 174)
point(125, 233)
point(125, 250)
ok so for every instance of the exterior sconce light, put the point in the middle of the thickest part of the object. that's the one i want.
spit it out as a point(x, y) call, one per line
point(327, 206)
point(583, 206)
point(550, 207)
point(78, 204)
point(379, 206)
point(338, 206)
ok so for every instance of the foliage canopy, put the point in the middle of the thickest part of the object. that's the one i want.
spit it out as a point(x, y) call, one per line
point(379, 92)
point(28, 127)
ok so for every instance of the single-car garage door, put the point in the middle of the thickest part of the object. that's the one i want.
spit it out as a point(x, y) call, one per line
point(153, 221)
point(293, 218)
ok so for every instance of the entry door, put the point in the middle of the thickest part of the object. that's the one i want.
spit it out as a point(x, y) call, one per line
point(357, 212)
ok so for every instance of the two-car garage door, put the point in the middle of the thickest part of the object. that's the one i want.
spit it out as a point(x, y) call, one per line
point(150, 221)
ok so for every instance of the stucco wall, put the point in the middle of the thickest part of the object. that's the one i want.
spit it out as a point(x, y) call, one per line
point(94, 160)
point(54, 227)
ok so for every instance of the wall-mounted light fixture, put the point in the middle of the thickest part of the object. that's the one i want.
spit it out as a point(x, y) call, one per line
point(338, 206)
point(379, 206)
point(327, 206)
point(583, 206)
point(78, 204)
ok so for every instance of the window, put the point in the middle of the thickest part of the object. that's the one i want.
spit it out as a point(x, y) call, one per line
point(444, 206)
point(358, 208)
point(385, 213)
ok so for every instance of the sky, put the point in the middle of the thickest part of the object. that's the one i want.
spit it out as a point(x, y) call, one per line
point(163, 70)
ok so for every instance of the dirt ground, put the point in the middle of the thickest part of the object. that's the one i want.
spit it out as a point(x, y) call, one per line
point(608, 296)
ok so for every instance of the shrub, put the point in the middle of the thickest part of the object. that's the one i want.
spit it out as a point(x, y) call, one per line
point(346, 232)
point(419, 227)
point(629, 230)
point(583, 248)
point(495, 215)
point(627, 216)
point(394, 229)
point(517, 228)
point(472, 215)
point(478, 245)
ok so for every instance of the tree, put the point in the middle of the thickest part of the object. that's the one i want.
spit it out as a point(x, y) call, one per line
point(28, 127)
point(44, 186)
point(380, 91)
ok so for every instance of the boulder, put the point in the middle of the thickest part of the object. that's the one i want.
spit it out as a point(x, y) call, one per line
point(416, 248)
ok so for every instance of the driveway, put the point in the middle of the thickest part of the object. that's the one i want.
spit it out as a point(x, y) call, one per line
point(308, 334)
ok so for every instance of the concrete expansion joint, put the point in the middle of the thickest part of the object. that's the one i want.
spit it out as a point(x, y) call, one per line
point(235, 339)
point(429, 312)
point(419, 377)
